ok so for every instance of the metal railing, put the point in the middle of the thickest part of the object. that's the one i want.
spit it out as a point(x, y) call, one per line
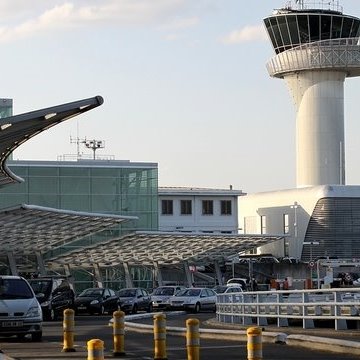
point(336, 54)
point(340, 305)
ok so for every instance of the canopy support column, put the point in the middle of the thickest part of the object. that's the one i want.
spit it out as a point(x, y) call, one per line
point(188, 274)
point(40, 263)
point(12, 263)
point(98, 277)
point(157, 273)
point(128, 278)
point(218, 273)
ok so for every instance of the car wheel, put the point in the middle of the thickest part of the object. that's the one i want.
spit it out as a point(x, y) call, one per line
point(150, 308)
point(37, 336)
point(197, 308)
point(134, 309)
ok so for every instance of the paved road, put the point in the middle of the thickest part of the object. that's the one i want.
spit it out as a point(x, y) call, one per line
point(140, 345)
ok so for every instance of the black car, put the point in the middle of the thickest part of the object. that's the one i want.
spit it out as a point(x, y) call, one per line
point(134, 299)
point(96, 301)
point(54, 295)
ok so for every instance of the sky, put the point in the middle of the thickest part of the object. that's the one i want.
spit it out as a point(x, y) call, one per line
point(184, 84)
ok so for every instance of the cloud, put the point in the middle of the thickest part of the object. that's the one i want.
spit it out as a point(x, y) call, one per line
point(246, 34)
point(50, 15)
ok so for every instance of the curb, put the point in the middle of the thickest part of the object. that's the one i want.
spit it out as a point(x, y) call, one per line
point(315, 342)
point(325, 344)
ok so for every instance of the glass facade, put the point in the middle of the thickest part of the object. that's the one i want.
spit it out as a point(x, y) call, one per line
point(90, 186)
point(290, 29)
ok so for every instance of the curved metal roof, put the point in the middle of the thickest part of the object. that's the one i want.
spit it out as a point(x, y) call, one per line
point(26, 229)
point(15, 130)
point(145, 248)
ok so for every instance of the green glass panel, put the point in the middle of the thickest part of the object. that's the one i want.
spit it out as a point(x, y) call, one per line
point(43, 185)
point(74, 185)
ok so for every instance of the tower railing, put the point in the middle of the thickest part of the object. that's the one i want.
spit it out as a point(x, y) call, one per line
point(323, 5)
point(336, 54)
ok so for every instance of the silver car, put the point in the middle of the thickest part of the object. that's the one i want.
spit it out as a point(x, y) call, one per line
point(20, 312)
point(161, 296)
point(194, 299)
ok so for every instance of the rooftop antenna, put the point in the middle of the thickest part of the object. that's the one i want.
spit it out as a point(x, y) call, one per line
point(77, 141)
point(94, 145)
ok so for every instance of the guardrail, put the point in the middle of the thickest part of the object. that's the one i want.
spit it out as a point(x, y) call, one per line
point(246, 308)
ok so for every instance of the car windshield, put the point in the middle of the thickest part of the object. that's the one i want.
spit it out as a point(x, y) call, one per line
point(14, 289)
point(92, 292)
point(164, 291)
point(127, 293)
point(189, 292)
point(41, 286)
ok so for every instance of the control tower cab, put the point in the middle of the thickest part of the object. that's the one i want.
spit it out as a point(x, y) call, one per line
point(316, 48)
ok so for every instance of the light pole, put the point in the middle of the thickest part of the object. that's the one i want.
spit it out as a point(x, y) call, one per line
point(295, 206)
point(311, 263)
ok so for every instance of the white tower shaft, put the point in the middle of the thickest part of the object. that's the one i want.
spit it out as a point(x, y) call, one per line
point(319, 100)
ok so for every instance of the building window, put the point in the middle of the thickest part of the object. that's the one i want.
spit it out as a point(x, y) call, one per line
point(207, 207)
point(225, 207)
point(286, 223)
point(186, 208)
point(263, 224)
point(166, 207)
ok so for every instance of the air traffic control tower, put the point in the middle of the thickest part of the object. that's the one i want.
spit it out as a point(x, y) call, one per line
point(316, 48)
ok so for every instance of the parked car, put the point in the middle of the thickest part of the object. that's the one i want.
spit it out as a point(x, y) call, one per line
point(243, 282)
point(96, 301)
point(54, 295)
point(20, 312)
point(160, 296)
point(225, 289)
point(194, 299)
point(134, 299)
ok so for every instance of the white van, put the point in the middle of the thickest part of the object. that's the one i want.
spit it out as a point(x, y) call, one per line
point(20, 312)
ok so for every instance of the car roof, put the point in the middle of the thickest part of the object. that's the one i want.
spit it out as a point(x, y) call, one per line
point(11, 277)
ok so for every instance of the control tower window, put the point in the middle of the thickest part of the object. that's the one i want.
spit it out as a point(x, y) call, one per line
point(346, 28)
point(314, 25)
point(294, 30)
point(276, 31)
point(303, 28)
point(336, 27)
point(325, 27)
point(355, 29)
point(284, 30)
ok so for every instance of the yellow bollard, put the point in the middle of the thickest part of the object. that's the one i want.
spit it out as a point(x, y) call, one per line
point(192, 339)
point(119, 332)
point(95, 349)
point(160, 337)
point(68, 328)
point(254, 343)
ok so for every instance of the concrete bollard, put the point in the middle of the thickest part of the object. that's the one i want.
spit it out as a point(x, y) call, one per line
point(68, 329)
point(192, 339)
point(160, 337)
point(95, 349)
point(254, 343)
point(119, 333)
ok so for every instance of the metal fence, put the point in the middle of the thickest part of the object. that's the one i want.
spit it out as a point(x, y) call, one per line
point(340, 305)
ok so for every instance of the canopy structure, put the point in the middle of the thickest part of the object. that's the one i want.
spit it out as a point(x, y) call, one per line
point(28, 231)
point(27, 228)
point(147, 248)
point(15, 130)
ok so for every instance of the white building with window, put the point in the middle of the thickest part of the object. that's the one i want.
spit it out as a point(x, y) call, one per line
point(190, 210)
